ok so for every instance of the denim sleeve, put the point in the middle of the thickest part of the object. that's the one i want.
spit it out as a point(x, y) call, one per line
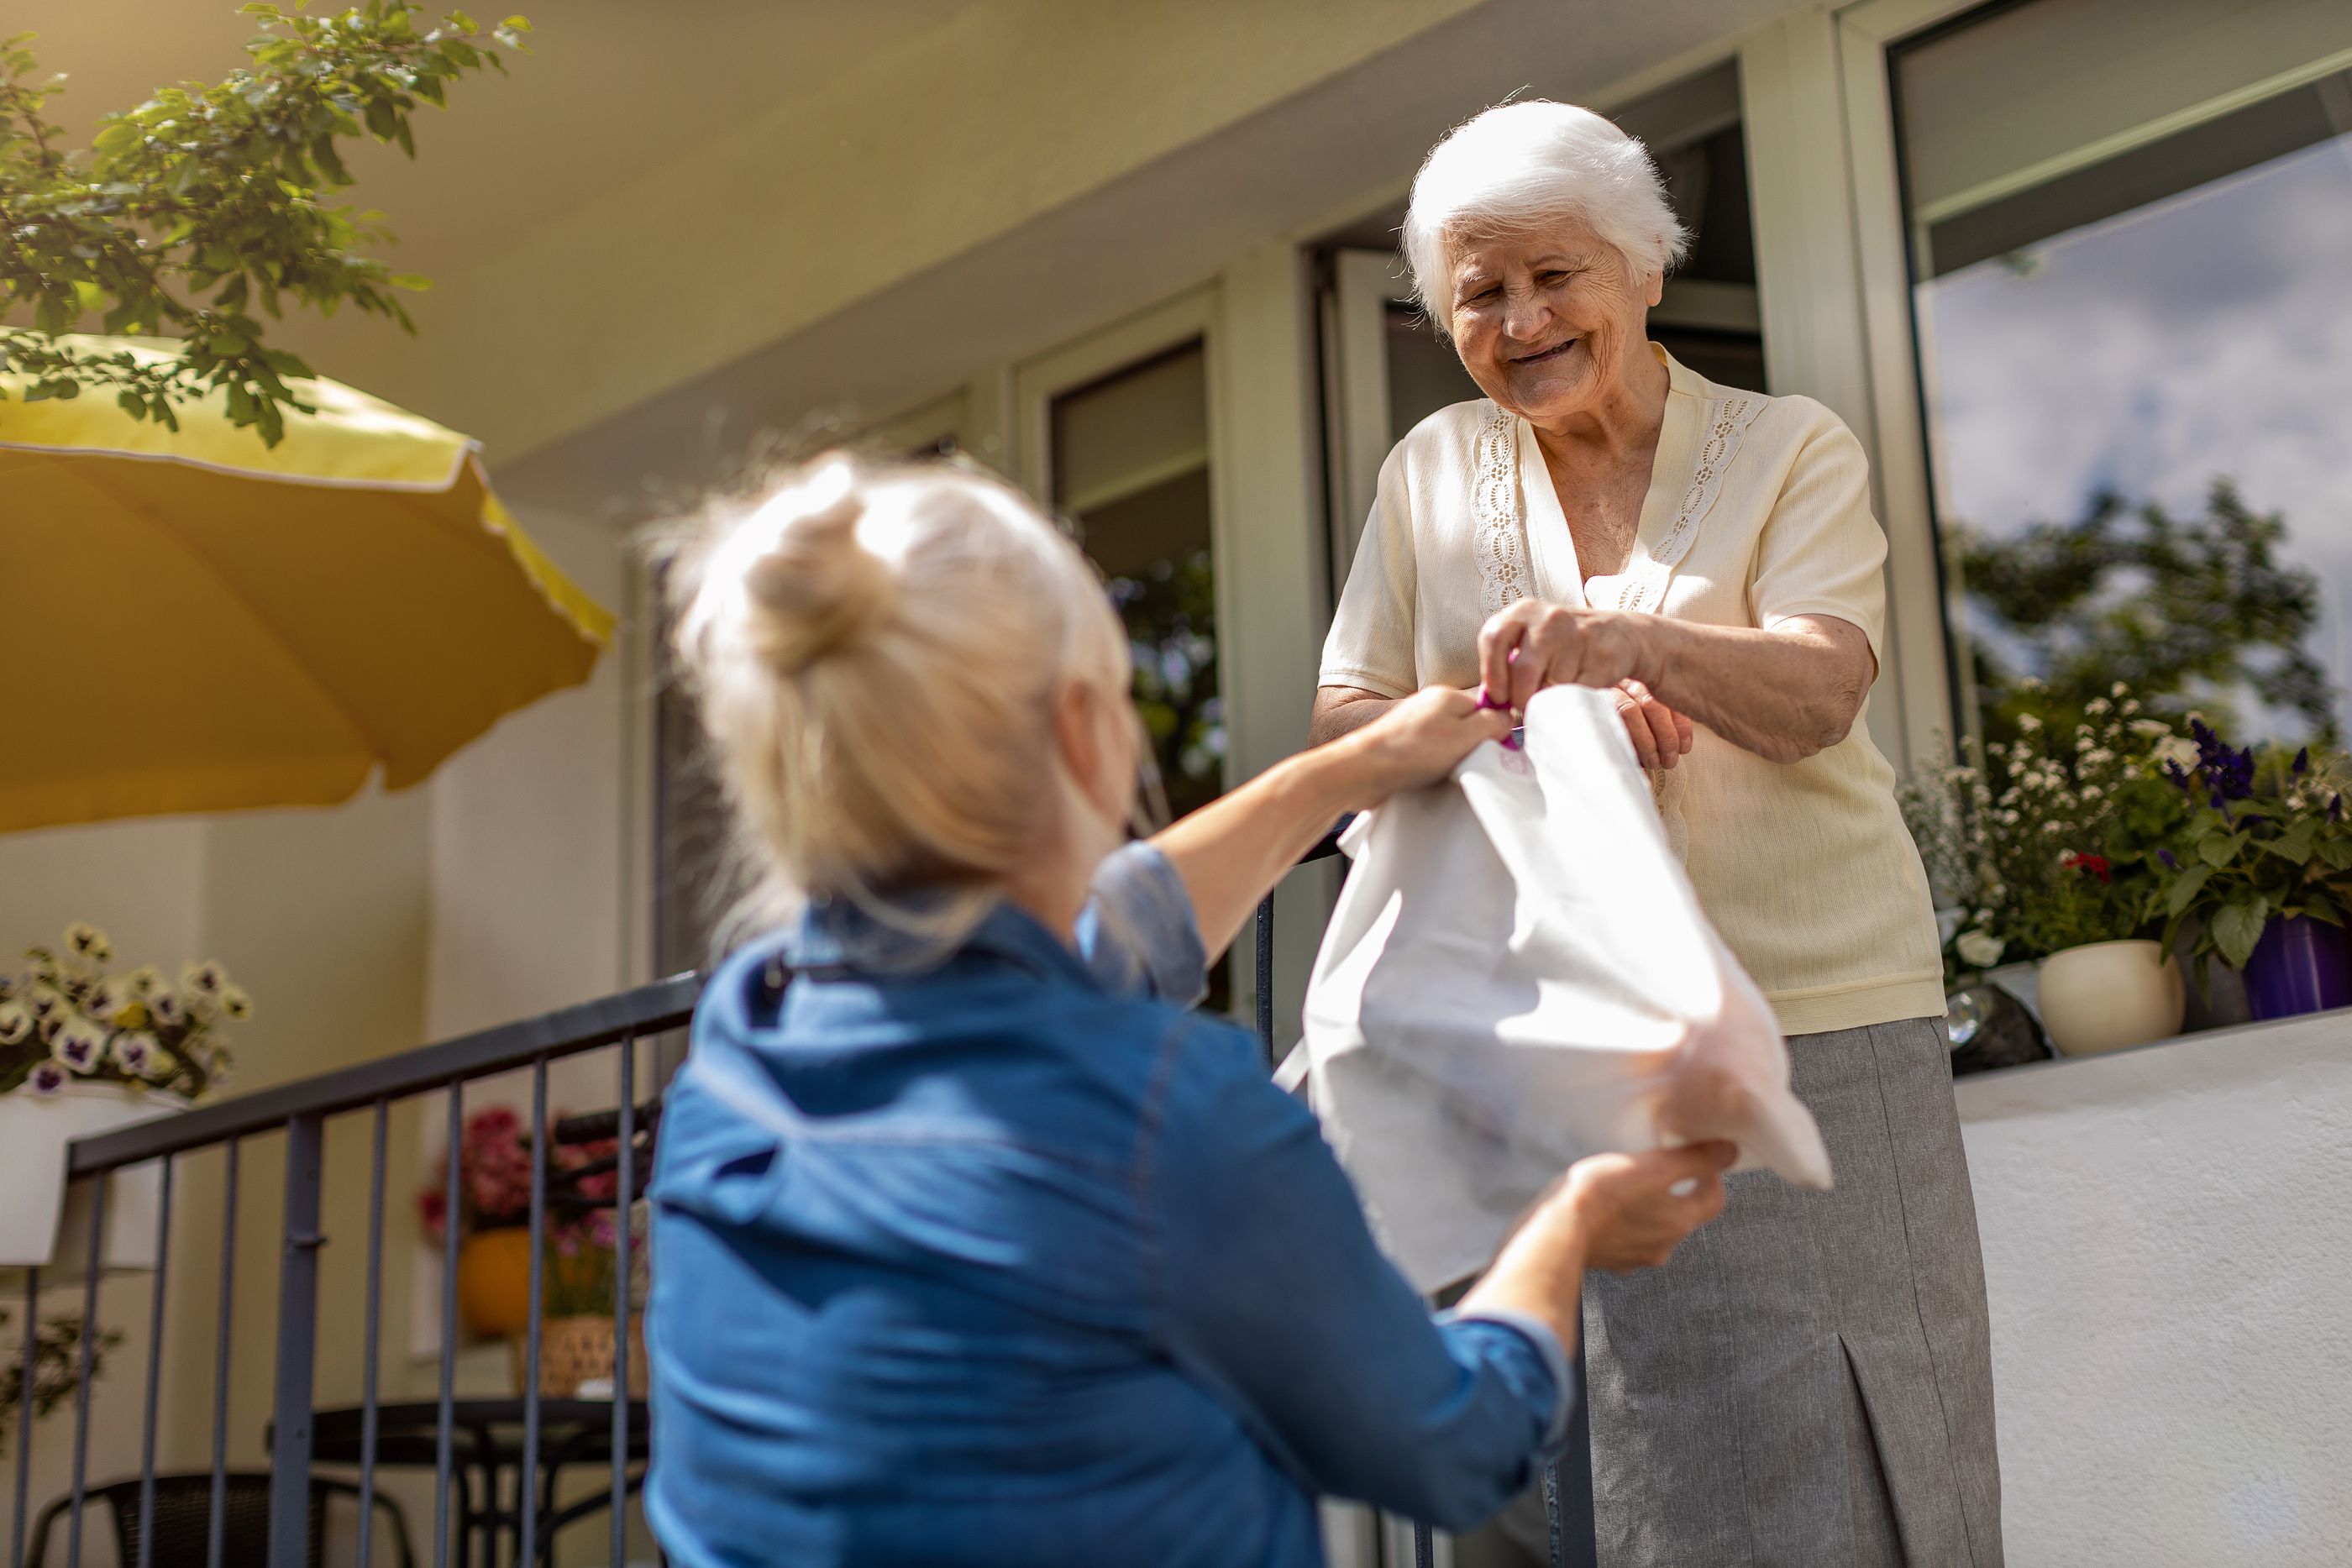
point(1138, 932)
point(1273, 1294)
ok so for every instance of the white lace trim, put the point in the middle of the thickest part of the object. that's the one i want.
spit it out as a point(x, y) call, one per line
point(1503, 575)
point(1727, 418)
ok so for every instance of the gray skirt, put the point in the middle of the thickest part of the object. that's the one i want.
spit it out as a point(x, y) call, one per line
point(1808, 1380)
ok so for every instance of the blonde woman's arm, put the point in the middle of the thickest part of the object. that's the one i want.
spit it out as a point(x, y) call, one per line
point(1230, 853)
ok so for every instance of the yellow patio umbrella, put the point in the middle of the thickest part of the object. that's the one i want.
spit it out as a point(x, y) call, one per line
point(199, 622)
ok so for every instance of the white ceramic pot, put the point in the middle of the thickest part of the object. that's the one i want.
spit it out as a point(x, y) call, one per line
point(2108, 995)
point(36, 1215)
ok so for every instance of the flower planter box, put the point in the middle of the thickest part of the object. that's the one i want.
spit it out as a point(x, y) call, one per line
point(40, 1226)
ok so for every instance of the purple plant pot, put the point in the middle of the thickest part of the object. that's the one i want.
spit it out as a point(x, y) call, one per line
point(2299, 967)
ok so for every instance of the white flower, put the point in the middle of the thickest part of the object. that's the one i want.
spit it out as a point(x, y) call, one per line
point(203, 980)
point(2178, 749)
point(87, 941)
point(134, 1053)
point(16, 1022)
point(1980, 949)
point(165, 1008)
point(2118, 690)
point(2009, 819)
point(100, 1001)
point(141, 981)
point(234, 1005)
point(46, 1079)
point(2028, 723)
point(2091, 791)
point(2098, 705)
point(78, 1045)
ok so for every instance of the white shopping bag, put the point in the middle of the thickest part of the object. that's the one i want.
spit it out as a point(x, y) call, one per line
point(1517, 975)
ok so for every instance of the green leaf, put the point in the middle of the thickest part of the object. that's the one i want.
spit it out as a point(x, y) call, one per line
point(2185, 889)
point(132, 403)
point(2217, 851)
point(2336, 852)
point(2236, 928)
point(519, 24)
point(2294, 845)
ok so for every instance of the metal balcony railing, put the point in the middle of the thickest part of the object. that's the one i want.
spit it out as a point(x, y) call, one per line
point(300, 1111)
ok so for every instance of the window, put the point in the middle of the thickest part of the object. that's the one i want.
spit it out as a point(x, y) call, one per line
point(2128, 226)
point(1130, 468)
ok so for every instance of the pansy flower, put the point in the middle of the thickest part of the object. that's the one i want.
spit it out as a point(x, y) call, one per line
point(78, 1046)
point(46, 1079)
point(87, 941)
point(134, 1053)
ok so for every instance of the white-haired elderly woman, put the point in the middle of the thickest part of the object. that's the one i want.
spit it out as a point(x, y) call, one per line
point(1810, 1382)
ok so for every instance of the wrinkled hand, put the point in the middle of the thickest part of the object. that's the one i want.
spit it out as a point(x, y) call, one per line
point(1531, 645)
point(1662, 736)
point(1634, 1211)
point(1417, 742)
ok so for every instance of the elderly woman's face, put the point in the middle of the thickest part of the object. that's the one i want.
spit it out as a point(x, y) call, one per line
point(1544, 323)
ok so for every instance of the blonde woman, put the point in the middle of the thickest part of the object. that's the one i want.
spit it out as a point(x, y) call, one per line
point(972, 1247)
point(1813, 1383)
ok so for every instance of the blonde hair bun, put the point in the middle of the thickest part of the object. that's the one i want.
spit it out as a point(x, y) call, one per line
point(816, 588)
point(875, 650)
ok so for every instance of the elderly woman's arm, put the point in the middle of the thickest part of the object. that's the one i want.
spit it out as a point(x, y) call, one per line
point(1784, 692)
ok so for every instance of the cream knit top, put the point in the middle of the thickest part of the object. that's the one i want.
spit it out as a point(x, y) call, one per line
point(1759, 509)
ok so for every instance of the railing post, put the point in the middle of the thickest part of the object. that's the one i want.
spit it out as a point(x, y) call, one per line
point(298, 1323)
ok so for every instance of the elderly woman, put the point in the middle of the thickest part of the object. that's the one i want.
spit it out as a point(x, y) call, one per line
point(1810, 1382)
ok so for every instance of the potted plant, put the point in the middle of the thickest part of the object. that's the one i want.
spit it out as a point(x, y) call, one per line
point(493, 1216)
point(2259, 868)
point(2046, 851)
point(577, 1305)
point(82, 1051)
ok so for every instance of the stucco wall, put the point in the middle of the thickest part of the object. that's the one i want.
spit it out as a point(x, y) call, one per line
point(2168, 1252)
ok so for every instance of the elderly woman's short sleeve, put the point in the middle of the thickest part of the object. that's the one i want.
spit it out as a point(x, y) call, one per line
point(1372, 641)
point(1821, 552)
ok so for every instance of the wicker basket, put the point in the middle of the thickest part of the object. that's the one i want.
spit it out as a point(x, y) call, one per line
point(574, 1350)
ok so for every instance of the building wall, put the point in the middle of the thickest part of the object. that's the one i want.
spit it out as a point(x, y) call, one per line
point(2169, 1255)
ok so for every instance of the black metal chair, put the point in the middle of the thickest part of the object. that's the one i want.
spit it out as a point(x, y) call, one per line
point(181, 1536)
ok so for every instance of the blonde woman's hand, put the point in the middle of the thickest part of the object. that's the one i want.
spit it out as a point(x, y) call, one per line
point(1417, 742)
point(1634, 1211)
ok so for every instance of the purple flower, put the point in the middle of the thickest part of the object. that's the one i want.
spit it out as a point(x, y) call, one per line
point(2171, 862)
point(2336, 808)
point(47, 1078)
point(2179, 775)
point(2230, 773)
point(2302, 761)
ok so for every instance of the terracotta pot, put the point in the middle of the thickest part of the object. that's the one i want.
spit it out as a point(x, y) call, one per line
point(494, 1281)
point(2106, 996)
point(576, 1351)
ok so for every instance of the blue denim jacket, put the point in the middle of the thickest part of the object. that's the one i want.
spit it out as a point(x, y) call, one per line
point(1008, 1261)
